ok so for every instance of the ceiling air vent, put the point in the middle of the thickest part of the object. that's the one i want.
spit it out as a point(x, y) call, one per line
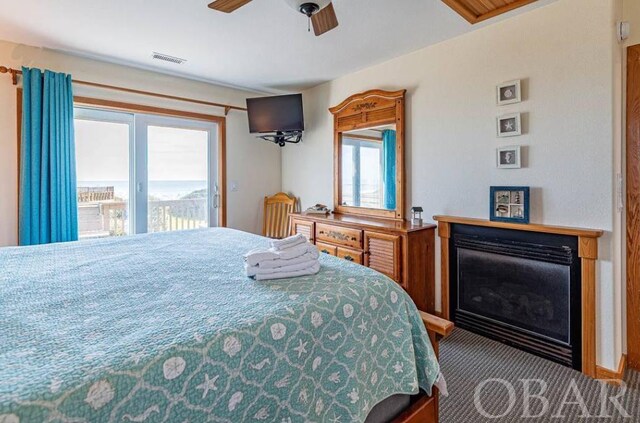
point(167, 58)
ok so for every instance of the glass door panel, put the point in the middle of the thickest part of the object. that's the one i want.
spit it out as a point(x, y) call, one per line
point(176, 174)
point(103, 144)
point(178, 187)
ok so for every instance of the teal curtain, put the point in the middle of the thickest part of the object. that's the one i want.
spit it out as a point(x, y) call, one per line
point(48, 198)
point(389, 156)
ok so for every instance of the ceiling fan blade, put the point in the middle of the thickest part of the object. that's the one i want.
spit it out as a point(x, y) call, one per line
point(228, 6)
point(325, 20)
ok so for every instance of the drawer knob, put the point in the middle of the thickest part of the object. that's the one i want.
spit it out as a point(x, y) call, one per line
point(348, 258)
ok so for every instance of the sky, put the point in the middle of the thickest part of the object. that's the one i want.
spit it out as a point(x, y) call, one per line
point(174, 154)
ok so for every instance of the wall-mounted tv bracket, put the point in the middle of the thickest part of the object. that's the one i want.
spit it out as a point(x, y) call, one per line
point(281, 138)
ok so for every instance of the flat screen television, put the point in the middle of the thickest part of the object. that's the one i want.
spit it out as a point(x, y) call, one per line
point(281, 113)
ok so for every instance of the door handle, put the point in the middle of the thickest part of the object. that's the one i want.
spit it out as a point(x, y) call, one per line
point(216, 196)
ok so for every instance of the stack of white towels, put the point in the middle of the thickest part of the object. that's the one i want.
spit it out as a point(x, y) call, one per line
point(287, 258)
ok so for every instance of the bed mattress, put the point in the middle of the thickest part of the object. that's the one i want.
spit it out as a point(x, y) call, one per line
point(166, 327)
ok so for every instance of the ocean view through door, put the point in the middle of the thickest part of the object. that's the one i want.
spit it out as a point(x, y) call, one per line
point(140, 173)
point(178, 169)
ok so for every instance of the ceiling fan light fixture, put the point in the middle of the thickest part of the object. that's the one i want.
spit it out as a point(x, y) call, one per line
point(307, 7)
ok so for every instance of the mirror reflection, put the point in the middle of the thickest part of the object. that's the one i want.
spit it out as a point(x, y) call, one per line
point(369, 168)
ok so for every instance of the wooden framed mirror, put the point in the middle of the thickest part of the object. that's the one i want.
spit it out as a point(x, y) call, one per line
point(368, 155)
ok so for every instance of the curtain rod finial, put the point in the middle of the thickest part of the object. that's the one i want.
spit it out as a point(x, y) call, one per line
point(13, 72)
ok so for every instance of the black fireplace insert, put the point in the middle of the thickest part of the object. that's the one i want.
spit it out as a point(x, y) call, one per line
point(520, 288)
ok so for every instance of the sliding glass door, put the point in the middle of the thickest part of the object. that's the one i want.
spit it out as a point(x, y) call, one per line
point(177, 159)
point(141, 173)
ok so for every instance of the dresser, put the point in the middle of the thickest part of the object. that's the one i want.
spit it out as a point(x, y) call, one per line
point(400, 250)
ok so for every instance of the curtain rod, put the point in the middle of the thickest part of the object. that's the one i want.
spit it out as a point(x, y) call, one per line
point(15, 72)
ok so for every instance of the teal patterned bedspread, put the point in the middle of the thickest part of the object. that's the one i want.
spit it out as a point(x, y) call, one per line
point(166, 327)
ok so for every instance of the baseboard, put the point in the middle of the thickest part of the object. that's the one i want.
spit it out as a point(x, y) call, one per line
point(613, 376)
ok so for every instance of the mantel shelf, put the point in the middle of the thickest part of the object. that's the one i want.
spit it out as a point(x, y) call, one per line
point(558, 230)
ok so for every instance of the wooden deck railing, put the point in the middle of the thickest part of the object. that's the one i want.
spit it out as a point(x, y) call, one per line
point(172, 215)
point(95, 194)
point(110, 218)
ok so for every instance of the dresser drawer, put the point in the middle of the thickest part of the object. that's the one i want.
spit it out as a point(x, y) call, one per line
point(332, 250)
point(350, 255)
point(339, 235)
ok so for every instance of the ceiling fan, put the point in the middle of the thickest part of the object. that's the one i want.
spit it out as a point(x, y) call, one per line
point(320, 12)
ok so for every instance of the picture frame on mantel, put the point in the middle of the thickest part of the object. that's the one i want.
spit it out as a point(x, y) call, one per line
point(509, 204)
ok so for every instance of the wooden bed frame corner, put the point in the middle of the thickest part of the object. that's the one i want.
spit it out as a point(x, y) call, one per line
point(424, 409)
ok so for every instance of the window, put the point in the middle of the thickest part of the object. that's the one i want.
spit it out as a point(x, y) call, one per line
point(362, 170)
point(139, 173)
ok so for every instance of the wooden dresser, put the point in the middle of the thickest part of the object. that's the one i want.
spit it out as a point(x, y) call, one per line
point(399, 250)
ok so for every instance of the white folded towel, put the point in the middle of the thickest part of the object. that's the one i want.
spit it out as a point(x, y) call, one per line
point(315, 268)
point(278, 263)
point(259, 270)
point(286, 243)
point(254, 257)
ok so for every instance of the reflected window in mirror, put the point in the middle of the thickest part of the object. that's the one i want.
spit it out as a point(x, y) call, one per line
point(369, 168)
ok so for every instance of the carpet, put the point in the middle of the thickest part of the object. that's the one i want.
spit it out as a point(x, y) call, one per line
point(498, 376)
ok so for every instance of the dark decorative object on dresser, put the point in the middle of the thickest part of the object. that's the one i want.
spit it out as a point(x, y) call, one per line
point(416, 215)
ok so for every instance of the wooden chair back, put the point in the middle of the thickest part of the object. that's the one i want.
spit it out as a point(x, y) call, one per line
point(276, 215)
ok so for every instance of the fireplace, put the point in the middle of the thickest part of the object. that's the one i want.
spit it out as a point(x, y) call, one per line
point(520, 288)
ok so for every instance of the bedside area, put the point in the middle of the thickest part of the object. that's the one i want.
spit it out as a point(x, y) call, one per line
point(400, 250)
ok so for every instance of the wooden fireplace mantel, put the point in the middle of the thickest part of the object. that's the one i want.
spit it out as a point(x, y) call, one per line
point(587, 251)
point(547, 229)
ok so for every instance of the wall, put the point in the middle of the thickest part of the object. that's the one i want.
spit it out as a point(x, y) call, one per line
point(252, 163)
point(631, 13)
point(564, 52)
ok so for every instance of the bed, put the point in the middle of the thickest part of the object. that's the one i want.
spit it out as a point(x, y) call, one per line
point(166, 327)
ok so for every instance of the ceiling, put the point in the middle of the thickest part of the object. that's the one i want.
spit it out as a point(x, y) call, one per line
point(263, 46)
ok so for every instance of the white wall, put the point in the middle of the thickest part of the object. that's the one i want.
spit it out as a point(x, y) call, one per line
point(565, 53)
point(631, 13)
point(252, 163)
